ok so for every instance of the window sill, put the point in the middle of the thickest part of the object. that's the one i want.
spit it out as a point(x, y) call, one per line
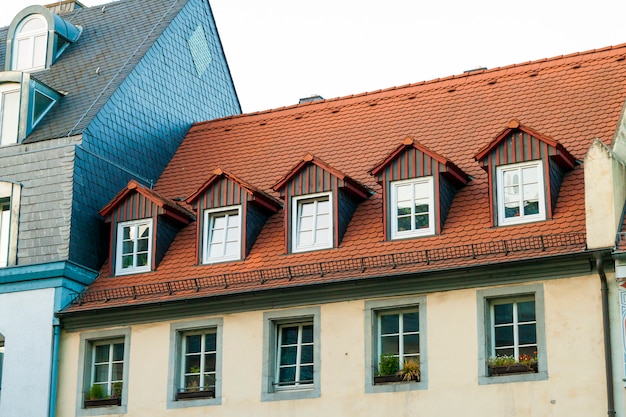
point(513, 369)
point(391, 379)
point(192, 395)
point(103, 402)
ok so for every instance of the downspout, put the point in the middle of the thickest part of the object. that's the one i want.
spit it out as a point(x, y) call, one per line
point(54, 373)
point(606, 327)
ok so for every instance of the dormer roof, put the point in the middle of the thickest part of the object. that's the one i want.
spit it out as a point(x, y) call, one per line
point(165, 206)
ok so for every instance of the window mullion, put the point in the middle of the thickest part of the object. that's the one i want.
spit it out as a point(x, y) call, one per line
point(515, 331)
point(110, 370)
point(202, 355)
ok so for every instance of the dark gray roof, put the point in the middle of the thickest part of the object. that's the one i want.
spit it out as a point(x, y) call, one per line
point(115, 37)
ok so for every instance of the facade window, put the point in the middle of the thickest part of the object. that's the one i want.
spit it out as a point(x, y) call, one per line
point(103, 378)
point(5, 226)
point(30, 44)
point(195, 364)
point(107, 374)
point(222, 235)
point(512, 342)
point(198, 370)
point(9, 211)
point(291, 354)
point(9, 112)
point(395, 348)
point(294, 362)
point(412, 208)
point(312, 222)
point(521, 195)
point(134, 243)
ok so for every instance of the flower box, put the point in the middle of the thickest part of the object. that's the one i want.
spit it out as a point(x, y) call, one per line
point(516, 368)
point(103, 402)
point(388, 379)
point(191, 395)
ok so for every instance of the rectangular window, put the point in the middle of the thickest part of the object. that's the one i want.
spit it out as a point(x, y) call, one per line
point(222, 235)
point(107, 374)
point(312, 222)
point(395, 348)
point(512, 334)
point(521, 195)
point(291, 354)
point(9, 113)
point(198, 370)
point(134, 243)
point(5, 227)
point(195, 363)
point(104, 376)
point(412, 208)
point(294, 355)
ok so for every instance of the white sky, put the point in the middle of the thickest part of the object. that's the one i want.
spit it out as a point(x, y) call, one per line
point(281, 50)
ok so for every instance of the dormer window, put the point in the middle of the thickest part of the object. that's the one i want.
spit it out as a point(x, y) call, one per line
point(222, 234)
point(413, 208)
point(319, 203)
point(521, 194)
point(9, 112)
point(134, 243)
point(30, 44)
point(312, 223)
point(525, 169)
point(419, 186)
point(231, 214)
point(36, 38)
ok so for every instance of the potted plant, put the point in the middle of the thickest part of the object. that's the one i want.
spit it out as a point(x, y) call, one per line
point(96, 397)
point(192, 390)
point(507, 364)
point(410, 370)
point(388, 367)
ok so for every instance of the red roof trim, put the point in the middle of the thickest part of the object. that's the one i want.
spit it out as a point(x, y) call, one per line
point(563, 156)
point(453, 171)
point(351, 185)
point(256, 194)
point(171, 209)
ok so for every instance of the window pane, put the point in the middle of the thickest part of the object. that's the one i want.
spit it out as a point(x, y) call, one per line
point(232, 249)
point(421, 207)
point(306, 373)
point(126, 233)
point(210, 340)
point(404, 223)
point(323, 207)
point(411, 344)
point(142, 245)
point(192, 382)
point(323, 221)
point(102, 353)
point(118, 352)
point(526, 311)
point(9, 109)
point(306, 354)
point(403, 193)
point(39, 54)
point(287, 374)
point(289, 335)
point(505, 352)
point(307, 334)
point(504, 336)
point(209, 362)
point(42, 102)
point(142, 259)
point(527, 334)
point(411, 322)
point(288, 355)
point(233, 221)
point(24, 53)
point(192, 365)
point(306, 209)
point(421, 221)
point(531, 207)
point(305, 238)
point(101, 373)
point(390, 345)
point(194, 343)
point(529, 175)
point(389, 323)
point(118, 372)
point(503, 313)
point(404, 208)
point(33, 25)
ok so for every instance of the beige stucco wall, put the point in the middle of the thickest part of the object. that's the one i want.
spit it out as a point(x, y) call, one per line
point(575, 386)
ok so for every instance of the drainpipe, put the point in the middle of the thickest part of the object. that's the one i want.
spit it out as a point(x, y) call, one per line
point(55, 370)
point(608, 361)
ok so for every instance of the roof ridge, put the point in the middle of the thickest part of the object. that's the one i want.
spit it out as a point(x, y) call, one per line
point(321, 105)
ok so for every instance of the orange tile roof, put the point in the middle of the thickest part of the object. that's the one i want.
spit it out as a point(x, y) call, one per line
point(570, 99)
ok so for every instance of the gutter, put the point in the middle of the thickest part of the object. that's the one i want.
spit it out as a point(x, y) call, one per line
point(608, 361)
point(54, 373)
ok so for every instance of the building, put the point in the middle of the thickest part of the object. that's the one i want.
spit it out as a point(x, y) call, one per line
point(90, 98)
point(428, 249)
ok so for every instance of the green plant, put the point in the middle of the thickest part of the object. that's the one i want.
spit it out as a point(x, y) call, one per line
point(96, 392)
point(116, 390)
point(504, 360)
point(388, 365)
point(410, 370)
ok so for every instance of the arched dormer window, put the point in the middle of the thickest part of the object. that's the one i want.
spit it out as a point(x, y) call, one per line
point(30, 44)
point(36, 38)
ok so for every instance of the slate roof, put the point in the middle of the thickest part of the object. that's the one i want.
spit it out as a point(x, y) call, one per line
point(570, 99)
point(91, 69)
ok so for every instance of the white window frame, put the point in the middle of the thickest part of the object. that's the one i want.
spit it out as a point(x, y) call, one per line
point(11, 113)
point(298, 382)
point(9, 213)
point(522, 218)
point(209, 216)
point(297, 204)
point(429, 199)
point(402, 355)
point(515, 324)
point(120, 241)
point(273, 321)
point(202, 354)
point(31, 38)
point(110, 362)
point(501, 295)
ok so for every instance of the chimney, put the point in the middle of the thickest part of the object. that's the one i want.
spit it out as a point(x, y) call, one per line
point(64, 6)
